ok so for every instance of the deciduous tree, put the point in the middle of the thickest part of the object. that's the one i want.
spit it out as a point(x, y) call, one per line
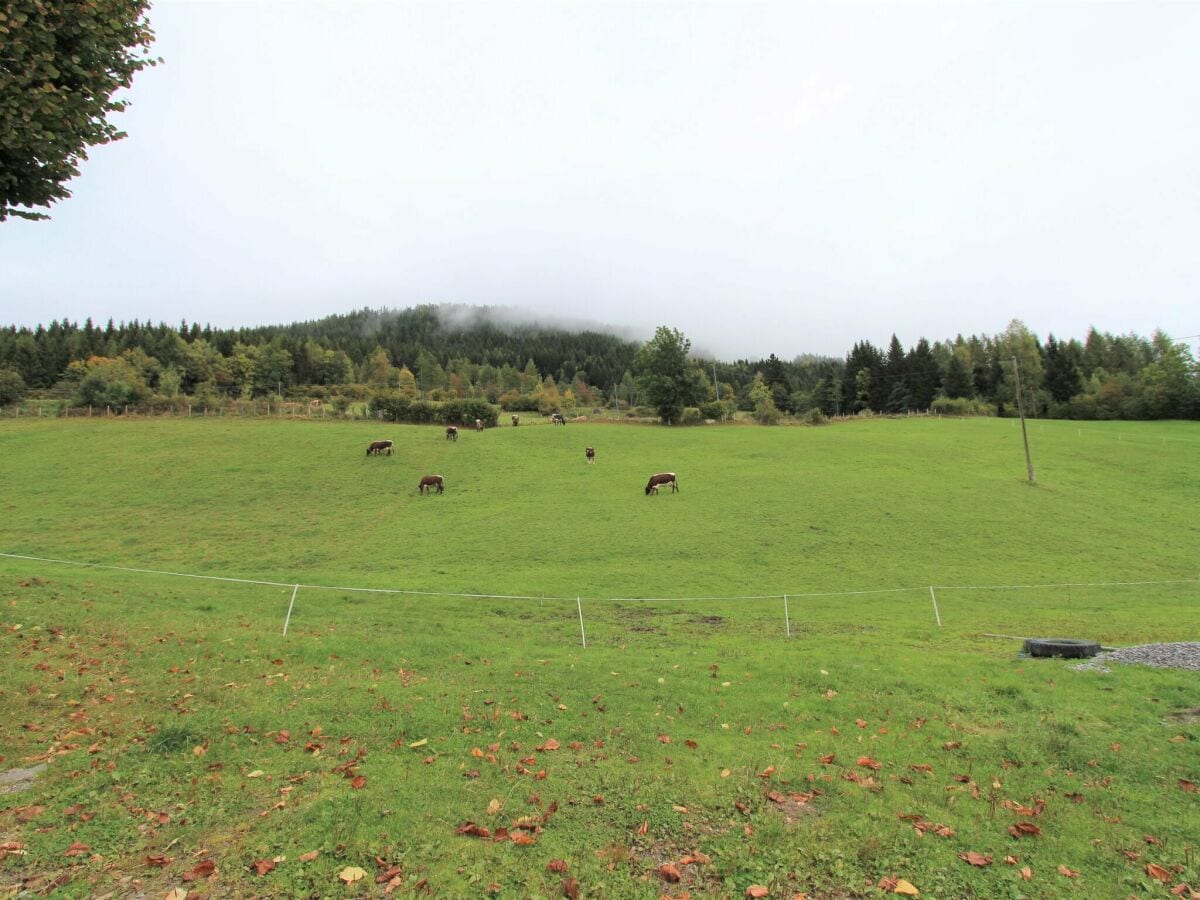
point(668, 378)
point(61, 63)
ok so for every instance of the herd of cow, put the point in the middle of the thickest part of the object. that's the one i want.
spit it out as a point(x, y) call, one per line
point(436, 483)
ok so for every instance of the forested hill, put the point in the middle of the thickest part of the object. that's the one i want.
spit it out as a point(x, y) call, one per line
point(482, 335)
point(449, 352)
point(332, 350)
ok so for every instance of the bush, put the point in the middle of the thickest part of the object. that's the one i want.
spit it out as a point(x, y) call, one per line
point(691, 416)
point(398, 408)
point(513, 402)
point(466, 410)
point(766, 413)
point(815, 417)
point(960, 406)
point(12, 386)
point(714, 409)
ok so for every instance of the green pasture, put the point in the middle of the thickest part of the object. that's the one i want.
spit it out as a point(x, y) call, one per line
point(190, 745)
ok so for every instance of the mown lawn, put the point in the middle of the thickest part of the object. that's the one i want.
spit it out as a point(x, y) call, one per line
point(189, 745)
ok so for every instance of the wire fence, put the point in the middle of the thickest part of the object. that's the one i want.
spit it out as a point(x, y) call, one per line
point(1069, 599)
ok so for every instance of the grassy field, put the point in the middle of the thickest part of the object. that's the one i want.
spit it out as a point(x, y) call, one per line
point(189, 745)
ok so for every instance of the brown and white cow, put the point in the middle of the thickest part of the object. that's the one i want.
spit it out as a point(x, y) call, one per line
point(516, 420)
point(657, 481)
point(479, 424)
point(451, 433)
point(377, 447)
point(431, 483)
point(590, 453)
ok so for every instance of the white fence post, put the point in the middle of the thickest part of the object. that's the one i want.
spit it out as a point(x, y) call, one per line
point(937, 615)
point(787, 622)
point(582, 634)
point(288, 618)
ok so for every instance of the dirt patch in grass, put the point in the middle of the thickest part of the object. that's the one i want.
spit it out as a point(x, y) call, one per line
point(16, 780)
point(674, 870)
point(793, 808)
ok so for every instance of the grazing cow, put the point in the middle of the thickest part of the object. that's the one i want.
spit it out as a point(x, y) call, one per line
point(378, 447)
point(479, 424)
point(557, 419)
point(590, 453)
point(451, 433)
point(431, 483)
point(516, 421)
point(657, 481)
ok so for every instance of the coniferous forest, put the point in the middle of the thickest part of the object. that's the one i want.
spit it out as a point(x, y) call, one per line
point(447, 353)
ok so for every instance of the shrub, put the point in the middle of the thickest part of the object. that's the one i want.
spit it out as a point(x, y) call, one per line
point(466, 410)
point(111, 382)
point(12, 386)
point(960, 406)
point(691, 416)
point(815, 417)
point(766, 412)
point(713, 409)
point(399, 408)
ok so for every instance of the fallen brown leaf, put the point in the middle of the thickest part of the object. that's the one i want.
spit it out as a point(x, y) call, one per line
point(1022, 829)
point(1158, 873)
point(203, 869)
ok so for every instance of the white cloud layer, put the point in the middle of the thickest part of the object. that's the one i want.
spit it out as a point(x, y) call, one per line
point(784, 178)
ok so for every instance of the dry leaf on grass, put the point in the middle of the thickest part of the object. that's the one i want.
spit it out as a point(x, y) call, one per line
point(1158, 873)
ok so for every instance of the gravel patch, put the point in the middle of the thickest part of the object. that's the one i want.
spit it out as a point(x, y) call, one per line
point(1184, 655)
point(15, 780)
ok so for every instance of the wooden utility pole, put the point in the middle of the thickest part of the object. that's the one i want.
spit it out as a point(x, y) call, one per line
point(1021, 413)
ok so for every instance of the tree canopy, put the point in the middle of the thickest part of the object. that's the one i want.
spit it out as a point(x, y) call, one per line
point(61, 63)
point(669, 379)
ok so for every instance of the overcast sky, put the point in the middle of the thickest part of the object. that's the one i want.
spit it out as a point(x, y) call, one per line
point(767, 177)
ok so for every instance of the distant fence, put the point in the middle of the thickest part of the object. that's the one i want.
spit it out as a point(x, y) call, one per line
point(272, 408)
point(785, 599)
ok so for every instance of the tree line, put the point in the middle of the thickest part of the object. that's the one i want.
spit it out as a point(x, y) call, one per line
point(444, 353)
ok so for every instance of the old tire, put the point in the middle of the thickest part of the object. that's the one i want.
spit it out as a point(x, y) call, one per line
point(1068, 648)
